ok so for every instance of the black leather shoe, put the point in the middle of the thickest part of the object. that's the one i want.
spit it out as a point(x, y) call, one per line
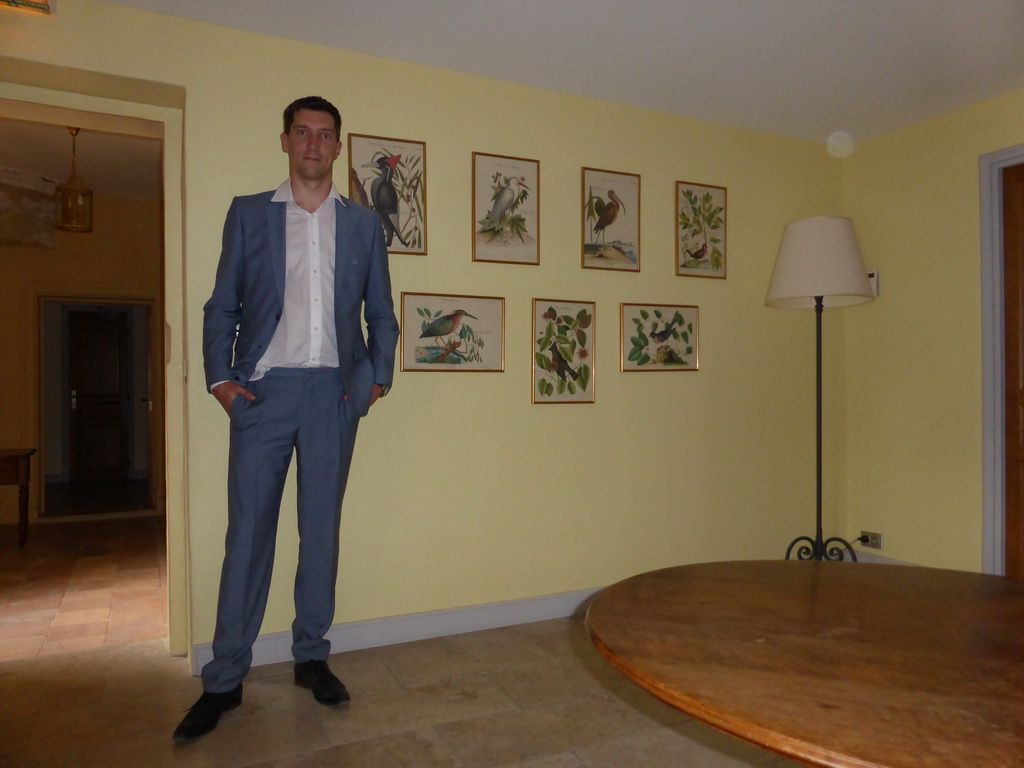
point(317, 676)
point(205, 714)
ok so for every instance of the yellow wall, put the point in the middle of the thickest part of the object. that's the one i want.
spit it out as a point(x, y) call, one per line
point(462, 492)
point(914, 374)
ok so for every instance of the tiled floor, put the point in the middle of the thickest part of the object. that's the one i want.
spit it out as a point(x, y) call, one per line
point(80, 585)
point(534, 695)
point(530, 696)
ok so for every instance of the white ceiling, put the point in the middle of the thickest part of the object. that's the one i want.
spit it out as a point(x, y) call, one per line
point(801, 68)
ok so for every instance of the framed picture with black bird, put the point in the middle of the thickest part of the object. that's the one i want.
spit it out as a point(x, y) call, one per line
point(563, 351)
point(448, 332)
point(700, 230)
point(506, 205)
point(390, 176)
point(611, 220)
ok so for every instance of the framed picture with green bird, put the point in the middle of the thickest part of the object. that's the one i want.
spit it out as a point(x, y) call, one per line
point(563, 351)
point(448, 332)
point(390, 177)
point(506, 205)
point(611, 220)
point(700, 230)
point(659, 337)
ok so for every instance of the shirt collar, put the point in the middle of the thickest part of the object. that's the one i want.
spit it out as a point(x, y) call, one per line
point(283, 194)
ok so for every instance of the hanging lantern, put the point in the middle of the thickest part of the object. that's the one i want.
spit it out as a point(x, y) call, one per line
point(74, 199)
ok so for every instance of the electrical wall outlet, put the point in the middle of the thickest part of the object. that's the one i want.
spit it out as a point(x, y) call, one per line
point(873, 279)
point(871, 539)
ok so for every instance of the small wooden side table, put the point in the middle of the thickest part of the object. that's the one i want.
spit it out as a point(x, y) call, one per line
point(15, 465)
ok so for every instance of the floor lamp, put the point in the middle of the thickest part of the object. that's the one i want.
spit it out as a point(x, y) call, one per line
point(819, 265)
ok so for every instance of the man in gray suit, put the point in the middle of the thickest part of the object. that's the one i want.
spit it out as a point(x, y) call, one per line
point(286, 357)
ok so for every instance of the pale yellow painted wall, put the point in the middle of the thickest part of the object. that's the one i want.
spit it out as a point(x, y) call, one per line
point(913, 388)
point(462, 491)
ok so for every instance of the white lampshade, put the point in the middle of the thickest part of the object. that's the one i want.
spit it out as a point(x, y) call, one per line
point(819, 257)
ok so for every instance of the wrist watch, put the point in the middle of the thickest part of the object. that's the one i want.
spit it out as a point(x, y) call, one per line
point(384, 389)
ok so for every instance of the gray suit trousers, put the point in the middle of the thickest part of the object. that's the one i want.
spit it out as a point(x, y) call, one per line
point(300, 410)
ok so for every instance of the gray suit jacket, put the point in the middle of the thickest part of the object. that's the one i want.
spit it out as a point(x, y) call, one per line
point(248, 295)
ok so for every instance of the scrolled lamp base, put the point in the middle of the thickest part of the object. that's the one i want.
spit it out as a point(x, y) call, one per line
point(816, 549)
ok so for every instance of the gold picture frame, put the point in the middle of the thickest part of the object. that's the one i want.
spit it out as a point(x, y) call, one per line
point(506, 209)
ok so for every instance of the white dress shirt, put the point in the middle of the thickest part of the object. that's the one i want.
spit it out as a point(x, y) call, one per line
point(306, 336)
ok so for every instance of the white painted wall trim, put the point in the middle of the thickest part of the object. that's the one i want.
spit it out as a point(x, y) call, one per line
point(993, 492)
point(273, 648)
point(871, 557)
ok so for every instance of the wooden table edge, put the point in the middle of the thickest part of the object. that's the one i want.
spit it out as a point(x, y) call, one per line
point(763, 738)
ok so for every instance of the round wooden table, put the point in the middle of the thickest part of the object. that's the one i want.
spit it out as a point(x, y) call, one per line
point(830, 663)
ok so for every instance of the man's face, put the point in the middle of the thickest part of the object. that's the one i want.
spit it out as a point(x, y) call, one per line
point(311, 144)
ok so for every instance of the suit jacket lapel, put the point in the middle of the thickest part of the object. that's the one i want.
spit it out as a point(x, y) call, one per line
point(275, 226)
point(343, 234)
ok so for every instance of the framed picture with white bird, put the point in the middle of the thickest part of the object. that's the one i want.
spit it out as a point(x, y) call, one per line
point(506, 205)
point(700, 230)
point(611, 220)
point(390, 176)
point(449, 332)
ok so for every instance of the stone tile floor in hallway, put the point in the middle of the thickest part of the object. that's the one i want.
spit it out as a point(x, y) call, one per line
point(82, 584)
point(534, 695)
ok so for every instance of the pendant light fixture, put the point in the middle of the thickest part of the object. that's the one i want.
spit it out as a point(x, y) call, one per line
point(74, 199)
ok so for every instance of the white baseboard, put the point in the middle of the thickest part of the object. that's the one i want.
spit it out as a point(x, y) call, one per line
point(277, 647)
point(871, 557)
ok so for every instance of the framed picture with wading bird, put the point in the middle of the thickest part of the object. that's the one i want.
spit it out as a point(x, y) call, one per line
point(659, 337)
point(611, 220)
point(390, 176)
point(563, 351)
point(700, 230)
point(506, 201)
point(442, 332)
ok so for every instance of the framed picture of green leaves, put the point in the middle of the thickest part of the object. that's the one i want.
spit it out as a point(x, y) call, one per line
point(659, 337)
point(700, 230)
point(563, 351)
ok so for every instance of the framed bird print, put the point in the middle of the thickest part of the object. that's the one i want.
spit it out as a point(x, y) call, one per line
point(506, 202)
point(563, 351)
point(442, 332)
point(611, 220)
point(700, 230)
point(390, 177)
point(658, 337)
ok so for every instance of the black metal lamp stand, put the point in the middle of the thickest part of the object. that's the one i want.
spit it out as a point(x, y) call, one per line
point(816, 548)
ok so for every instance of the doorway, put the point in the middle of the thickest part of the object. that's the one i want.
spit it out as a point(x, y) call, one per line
point(1013, 282)
point(42, 93)
point(98, 439)
point(997, 516)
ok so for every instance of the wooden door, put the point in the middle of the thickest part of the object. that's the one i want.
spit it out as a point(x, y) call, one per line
point(1013, 286)
point(99, 371)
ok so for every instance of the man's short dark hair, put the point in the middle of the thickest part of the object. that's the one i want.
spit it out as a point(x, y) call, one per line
point(316, 103)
